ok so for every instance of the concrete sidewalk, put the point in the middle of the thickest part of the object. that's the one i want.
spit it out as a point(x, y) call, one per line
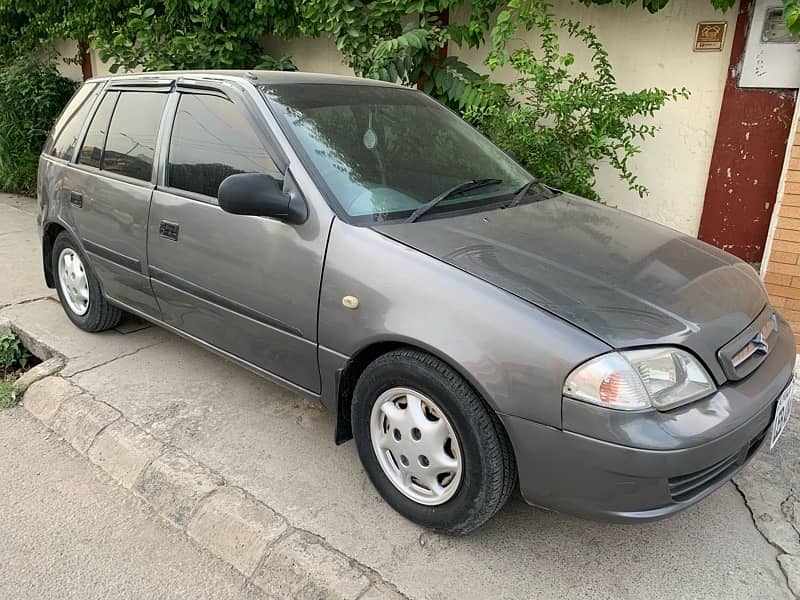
point(192, 412)
point(69, 533)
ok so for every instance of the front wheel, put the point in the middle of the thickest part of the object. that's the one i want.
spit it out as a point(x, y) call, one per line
point(78, 288)
point(431, 447)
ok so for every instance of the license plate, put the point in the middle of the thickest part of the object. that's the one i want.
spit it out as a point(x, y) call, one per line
point(782, 413)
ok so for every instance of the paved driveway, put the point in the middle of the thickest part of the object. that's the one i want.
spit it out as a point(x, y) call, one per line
point(280, 448)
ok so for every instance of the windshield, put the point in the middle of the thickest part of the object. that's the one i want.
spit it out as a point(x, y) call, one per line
point(383, 152)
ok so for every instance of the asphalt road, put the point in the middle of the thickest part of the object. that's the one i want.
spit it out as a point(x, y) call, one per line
point(67, 532)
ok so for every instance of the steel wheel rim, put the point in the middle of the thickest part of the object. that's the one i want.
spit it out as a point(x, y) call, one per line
point(416, 446)
point(73, 281)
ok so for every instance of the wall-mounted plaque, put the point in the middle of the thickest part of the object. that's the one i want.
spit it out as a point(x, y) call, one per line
point(710, 36)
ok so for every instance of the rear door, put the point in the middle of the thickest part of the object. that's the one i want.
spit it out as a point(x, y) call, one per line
point(110, 190)
point(246, 285)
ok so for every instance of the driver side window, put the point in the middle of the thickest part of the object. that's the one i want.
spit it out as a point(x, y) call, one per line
point(211, 140)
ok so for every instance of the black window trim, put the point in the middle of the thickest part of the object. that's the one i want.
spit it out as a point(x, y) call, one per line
point(240, 99)
point(89, 122)
point(112, 175)
point(160, 84)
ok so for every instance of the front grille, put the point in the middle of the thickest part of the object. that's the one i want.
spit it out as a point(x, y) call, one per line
point(743, 355)
point(686, 487)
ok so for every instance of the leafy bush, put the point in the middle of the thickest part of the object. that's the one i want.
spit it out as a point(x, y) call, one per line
point(202, 34)
point(32, 94)
point(13, 354)
point(270, 63)
point(562, 123)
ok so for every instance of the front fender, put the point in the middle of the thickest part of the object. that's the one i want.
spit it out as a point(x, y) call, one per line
point(513, 353)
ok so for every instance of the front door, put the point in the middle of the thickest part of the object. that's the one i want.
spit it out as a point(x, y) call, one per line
point(247, 285)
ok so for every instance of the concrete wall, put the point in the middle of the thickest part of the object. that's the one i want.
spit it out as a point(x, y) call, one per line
point(646, 51)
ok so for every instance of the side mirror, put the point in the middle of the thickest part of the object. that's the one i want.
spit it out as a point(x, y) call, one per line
point(260, 195)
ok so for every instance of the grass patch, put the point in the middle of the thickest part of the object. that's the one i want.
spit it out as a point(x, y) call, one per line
point(14, 361)
point(8, 394)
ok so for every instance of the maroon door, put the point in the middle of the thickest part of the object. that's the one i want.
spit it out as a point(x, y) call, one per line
point(747, 160)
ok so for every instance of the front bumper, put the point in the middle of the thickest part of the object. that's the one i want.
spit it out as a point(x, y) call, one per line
point(649, 465)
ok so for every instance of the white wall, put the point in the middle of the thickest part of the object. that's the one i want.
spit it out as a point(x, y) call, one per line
point(68, 49)
point(646, 51)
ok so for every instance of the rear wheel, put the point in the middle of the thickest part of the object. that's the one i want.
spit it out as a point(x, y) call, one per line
point(78, 288)
point(432, 448)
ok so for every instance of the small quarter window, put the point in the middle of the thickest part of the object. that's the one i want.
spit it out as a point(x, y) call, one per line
point(131, 143)
point(212, 139)
point(92, 150)
point(64, 136)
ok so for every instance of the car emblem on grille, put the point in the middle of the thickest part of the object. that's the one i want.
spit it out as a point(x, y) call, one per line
point(759, 344)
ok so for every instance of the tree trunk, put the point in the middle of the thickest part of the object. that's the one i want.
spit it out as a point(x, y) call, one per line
point(444, 19)
point(86, 60)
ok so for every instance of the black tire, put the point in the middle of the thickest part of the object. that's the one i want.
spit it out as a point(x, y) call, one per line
point(489, 469)
point(101, 314)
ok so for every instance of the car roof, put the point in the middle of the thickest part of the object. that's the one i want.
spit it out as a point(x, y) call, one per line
point(253, 76)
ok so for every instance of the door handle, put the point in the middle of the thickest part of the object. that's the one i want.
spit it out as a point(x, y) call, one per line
point(168, 231)
point(76, 199)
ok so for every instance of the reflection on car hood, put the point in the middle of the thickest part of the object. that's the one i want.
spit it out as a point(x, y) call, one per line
point(624, 279)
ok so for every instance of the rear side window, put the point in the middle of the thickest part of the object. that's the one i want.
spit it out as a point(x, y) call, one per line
point(64, 136)
point(92, 150)
point(212, 139)
point(131, 143)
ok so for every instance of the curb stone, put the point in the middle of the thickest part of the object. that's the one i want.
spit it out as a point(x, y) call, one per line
point(236, 527)
point(80, 418)
point(43, 398)
point(282, 561)
point(49, 367)
point(301, 566)
point(174, 484)
point(124, 451)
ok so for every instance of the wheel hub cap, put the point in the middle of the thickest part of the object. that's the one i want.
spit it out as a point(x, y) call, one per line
point(416, 446)
point(73, 281)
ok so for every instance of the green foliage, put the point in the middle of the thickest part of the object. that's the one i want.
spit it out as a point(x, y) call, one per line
point(28, 26)
point(283, 63)
point(654, 6)
point(13, 354)
point(403, 42)
point(32, 94)
point(791, 13)
point(201, 34)
point(562, 123)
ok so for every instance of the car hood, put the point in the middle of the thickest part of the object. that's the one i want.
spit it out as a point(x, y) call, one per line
point(619, 277)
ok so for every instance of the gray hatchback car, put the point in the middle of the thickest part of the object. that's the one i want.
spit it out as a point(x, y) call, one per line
point(468, 326)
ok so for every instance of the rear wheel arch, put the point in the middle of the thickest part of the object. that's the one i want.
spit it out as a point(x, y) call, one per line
point(49, 234)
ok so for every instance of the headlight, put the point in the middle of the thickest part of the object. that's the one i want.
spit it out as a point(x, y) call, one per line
point(660, 378)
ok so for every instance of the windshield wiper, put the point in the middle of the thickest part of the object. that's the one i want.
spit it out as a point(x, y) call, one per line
point(464, 186)
point(521, 193)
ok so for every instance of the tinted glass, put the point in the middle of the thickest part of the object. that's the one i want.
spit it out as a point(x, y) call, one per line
point(385, 151)
point(131, 142)
point(212, 139)
point(92, 150)
point(64, 136)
